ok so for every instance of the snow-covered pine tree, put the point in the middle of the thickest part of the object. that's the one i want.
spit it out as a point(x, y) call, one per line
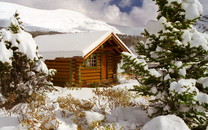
point(22, 73)
point(172, 64)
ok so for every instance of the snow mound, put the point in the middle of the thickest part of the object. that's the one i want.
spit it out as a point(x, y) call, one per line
point(134, 116)
point(93, 116)
point(51, 20)
point(169, 122)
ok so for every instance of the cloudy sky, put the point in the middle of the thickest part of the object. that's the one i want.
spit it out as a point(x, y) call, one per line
point(121, 12)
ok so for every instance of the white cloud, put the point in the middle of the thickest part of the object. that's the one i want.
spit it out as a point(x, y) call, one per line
point(99, 9)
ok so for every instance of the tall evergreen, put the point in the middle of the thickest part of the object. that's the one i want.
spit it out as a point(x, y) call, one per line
point(172, 64)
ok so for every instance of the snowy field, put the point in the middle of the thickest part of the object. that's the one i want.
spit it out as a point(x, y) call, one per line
point(10, 122)
point(128, 118)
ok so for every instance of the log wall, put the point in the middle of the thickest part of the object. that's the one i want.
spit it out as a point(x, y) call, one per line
point(62, 65)
point(72, 71)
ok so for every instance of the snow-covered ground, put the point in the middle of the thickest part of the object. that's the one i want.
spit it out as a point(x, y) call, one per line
point(8, 122)
point(128, 118)
point(59, 20)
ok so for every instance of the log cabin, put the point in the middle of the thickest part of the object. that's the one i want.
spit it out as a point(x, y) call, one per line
point(82, 58)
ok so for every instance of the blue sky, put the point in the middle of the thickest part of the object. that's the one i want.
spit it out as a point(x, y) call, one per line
point(128, 7)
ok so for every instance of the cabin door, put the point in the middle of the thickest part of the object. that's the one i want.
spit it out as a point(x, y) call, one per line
point(104, 67)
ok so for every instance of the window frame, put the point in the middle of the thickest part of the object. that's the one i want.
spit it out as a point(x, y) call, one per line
point(96, 60)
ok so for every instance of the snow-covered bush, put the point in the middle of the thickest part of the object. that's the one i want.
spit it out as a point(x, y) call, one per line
point(22, 73)
point(134, 117)
point(172, 64)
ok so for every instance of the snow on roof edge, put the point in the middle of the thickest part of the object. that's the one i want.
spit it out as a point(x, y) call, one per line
point(123, 43)
point(96, 43)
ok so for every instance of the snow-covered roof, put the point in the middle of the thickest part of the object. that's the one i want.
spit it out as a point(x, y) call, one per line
point(70, 45)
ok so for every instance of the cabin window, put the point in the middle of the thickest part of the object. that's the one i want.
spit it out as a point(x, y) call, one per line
point(91, 61)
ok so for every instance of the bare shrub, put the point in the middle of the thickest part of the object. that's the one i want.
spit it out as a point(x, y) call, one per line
point(108, 99)
point(103, 83)
point(40, 114)
point(72, 106)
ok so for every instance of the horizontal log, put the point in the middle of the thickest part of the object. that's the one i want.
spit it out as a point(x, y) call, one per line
point(63, 59)
point(91, 78)
point(111, 68)
point(58, 60)
point(62, 76)
point(110, 76)
point(91, 74)
point(61, 67)
point(111, 64)
point(88, 67)
point(58, 64)
point(110, 73)
point(98, 62)
point(63, 71)
point(61, 80)
point(78, 60)
point(90, 71)
point(90, 81)
point(110, 60)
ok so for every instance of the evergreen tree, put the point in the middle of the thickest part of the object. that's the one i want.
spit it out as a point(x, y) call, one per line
point(172, 63)
point(23, 74)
